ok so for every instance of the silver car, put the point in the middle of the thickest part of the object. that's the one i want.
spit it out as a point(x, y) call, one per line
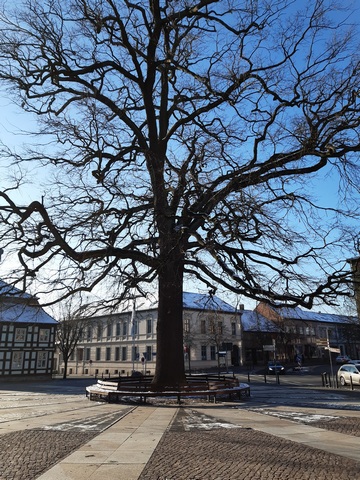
point(349, 373)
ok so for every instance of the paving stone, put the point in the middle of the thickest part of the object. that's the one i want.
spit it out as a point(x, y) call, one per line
point(236, 453)
point(28, 453)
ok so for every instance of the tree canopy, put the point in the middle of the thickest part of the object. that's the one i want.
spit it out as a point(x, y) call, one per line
point(188, 139)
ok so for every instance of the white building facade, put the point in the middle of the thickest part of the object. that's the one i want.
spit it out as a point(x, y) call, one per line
point(121, 343)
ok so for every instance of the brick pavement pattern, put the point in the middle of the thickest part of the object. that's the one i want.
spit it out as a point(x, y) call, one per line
point(194, 448)
point(218, 453)
point(25, 454)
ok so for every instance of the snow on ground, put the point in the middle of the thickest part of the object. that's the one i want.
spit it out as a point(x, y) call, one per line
point(195, 420)
point(297, 416)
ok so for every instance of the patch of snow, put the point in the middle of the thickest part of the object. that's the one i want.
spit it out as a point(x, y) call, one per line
point(194, 420)
point(297, 416)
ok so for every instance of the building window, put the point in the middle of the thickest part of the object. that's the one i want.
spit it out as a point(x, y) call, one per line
point(72, 356)
point(186, 324)
point(98, 354)
point(109, 331)
point(118, 329)
point(20, 334)
point(203, 327)
point(233, 328)
point(108, 353)
point(203, 352)
point(212, 352)
point(148, 353)
point(135, 328)
point(44, 335)
point(89, 334)
point(220, 328)
point(124, 354)
point(88, 350)
point(149, 326)
point(81, 334)
point(124, 328)
point(99, 332)
point(41, 359)
point(135, 353)
point(117, 354)
point(17, 360)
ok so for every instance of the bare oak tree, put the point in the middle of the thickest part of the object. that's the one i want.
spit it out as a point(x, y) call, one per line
point(189, 139)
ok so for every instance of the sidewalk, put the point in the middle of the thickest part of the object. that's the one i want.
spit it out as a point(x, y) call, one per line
point(123, 450)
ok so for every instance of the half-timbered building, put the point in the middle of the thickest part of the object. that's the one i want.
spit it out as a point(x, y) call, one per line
point(27, 336)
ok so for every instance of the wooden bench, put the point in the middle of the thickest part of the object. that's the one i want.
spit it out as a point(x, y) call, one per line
point(205, 386)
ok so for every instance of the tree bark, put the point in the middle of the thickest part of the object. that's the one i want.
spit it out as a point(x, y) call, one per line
point(170, 369)
point(65, 368)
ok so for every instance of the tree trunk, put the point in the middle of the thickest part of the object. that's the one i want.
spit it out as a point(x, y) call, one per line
point(65, 367)
point(170, 369)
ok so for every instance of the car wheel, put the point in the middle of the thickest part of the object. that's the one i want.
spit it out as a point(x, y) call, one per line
point(342, 381)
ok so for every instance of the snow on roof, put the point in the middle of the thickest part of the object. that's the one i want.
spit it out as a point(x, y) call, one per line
point(11, 291)
point(16, 307)
point(309, 315)
point(23, 313)
point(191, 301)
point(198, 301)
point(253, 321)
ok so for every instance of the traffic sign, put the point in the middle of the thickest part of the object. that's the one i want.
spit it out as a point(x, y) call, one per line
point(269, 348)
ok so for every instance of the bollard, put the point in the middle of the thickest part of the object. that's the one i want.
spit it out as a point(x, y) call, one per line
point(248, 377)
point(265, 377)
point(351, 383)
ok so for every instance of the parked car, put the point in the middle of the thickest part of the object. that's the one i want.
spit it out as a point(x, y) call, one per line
point(347, 372)
point(341, 359)
point(275, 368)
point(354, 361)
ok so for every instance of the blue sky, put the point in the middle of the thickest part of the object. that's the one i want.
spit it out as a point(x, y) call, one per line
point(13, 120)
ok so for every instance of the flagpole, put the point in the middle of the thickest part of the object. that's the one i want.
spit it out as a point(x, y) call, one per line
point(133, 312)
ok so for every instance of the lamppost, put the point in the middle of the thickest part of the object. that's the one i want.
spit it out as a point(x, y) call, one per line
point(132, 321)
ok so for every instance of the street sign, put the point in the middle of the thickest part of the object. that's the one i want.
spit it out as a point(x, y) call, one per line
point(269, 348)
point(333, 350)
point(322, 342)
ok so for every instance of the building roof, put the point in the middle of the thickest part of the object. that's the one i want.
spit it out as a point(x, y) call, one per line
point(309, 315)
point(198, 301)
point(20, 307)
point(11, 291)
point(252, 321)
point(191, 301)
point(22, 313)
